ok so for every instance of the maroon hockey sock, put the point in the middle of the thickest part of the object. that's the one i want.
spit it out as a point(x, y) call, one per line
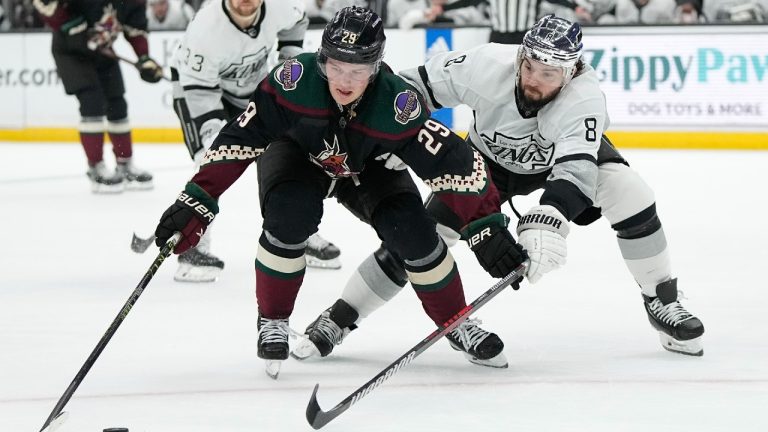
point(93, 144)
point(122, 145)
point(276, 292)
point(443, 303)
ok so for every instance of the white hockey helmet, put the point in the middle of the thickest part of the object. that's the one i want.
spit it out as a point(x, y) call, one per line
point(553, 41)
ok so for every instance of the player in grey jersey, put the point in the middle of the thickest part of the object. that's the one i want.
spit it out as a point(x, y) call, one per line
point(550, 138)
point(223, 56)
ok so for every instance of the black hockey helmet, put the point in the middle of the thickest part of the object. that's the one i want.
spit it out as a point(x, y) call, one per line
point(354, 35)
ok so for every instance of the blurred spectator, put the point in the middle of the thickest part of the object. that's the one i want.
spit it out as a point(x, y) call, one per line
point(736, 11)
point(169, 14)
point(24, 15)
point(689, 12)
point(5, 23)
point(321, 11)
point(409, 13)
point(645, 11)
point(582, 11)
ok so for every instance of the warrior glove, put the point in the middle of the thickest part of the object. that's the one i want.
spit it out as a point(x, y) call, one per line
point(190, 215)
point(149, 70)
point(493, 245)
point(542, 232)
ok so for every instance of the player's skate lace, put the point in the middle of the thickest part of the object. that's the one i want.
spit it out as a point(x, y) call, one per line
point(276, 330)
point(470, 334)
point(328, 329)
point(673, 314)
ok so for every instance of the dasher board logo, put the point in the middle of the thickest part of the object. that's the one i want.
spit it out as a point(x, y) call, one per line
point(289, 74)
point(525, 152)
point(406, 106)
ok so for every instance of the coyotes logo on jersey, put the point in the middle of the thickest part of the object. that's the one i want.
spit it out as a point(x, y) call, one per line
point(332, 160)
point(526, 152)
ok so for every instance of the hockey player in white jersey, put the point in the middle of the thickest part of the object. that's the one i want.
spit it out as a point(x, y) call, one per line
point(223, 56)
point(539, 122)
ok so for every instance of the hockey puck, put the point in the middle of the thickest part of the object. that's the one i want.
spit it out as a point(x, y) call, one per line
point(116, 430)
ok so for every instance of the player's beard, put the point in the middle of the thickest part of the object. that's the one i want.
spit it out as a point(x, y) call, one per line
point(244, 9)
point(537, 100)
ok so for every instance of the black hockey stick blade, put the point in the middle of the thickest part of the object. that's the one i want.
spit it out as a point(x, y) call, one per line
point(318, 418)
point(58, 410)
point(140, 245)
point(56, 422)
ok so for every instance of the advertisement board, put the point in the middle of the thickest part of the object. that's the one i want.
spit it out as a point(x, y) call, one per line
point(697, 79)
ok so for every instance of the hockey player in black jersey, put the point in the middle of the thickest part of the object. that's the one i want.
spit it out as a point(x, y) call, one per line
point(327, 124)
point(83, 32)
point(550, 137)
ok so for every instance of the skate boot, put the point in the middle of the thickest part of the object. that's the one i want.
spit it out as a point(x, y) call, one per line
point(321, 253)
point(273, 343)
point(103, 181)
point(479, 346)
point(135, 178)
point(679, 330)
point(198, 266)
point(328, 330)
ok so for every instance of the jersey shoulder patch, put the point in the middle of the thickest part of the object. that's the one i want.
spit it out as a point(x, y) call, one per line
point(297, 84)
point(394, 107)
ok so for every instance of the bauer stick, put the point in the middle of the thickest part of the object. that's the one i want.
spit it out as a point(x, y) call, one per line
point(58, 416)
point(319, 418)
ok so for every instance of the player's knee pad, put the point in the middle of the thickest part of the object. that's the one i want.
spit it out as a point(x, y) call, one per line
point(290, 213)
point(621, 192)
point(404, 226)
point(92, 102)
point(376, 281)
point(117, 108)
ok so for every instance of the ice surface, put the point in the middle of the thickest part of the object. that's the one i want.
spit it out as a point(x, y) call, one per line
point(582, 354)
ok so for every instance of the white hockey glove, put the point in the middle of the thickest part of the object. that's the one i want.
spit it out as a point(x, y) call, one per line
point(542, 232)
point(392, 162)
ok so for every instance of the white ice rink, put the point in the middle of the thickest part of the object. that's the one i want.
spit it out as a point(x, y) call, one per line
point(582, 354)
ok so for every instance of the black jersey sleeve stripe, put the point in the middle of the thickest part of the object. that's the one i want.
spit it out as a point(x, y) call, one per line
point(285, 43)
point(566, 197)
point(425, 79)
point(575, 157)
point(200, 87)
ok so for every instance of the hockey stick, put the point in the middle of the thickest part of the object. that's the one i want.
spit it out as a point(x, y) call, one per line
point(57, 416)
point(140, 245)
point(109, 52)
point(318, 418)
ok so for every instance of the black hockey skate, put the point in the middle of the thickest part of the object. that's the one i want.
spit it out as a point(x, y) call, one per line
point(273, 343)
point(321, 253)
point(479, 346)
point(679, 330)
point(103, 181)
point(135, 178)
point(327, 331)
point(197, 266)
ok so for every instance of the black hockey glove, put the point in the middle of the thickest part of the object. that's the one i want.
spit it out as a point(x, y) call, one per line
point(149, 70)
point(493, 245)
point(190, 215)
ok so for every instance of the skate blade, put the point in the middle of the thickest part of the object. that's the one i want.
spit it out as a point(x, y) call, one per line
point(272, 368)
point(99, 188)
point(693, 347)
point(498, 362)
point(139, 186)
point(331, 264)
point(305, 350)
point(196, 274)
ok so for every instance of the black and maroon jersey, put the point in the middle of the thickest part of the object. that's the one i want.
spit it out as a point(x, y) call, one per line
point(293, 103)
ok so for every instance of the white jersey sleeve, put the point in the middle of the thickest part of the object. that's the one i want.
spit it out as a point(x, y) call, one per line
point(466, 77)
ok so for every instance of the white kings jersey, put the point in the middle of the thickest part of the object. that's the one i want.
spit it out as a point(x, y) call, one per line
point(563, 136)
point(218, 60)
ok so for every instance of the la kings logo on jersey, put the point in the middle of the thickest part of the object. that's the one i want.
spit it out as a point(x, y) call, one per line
point(525, 152)
point(247, 72)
